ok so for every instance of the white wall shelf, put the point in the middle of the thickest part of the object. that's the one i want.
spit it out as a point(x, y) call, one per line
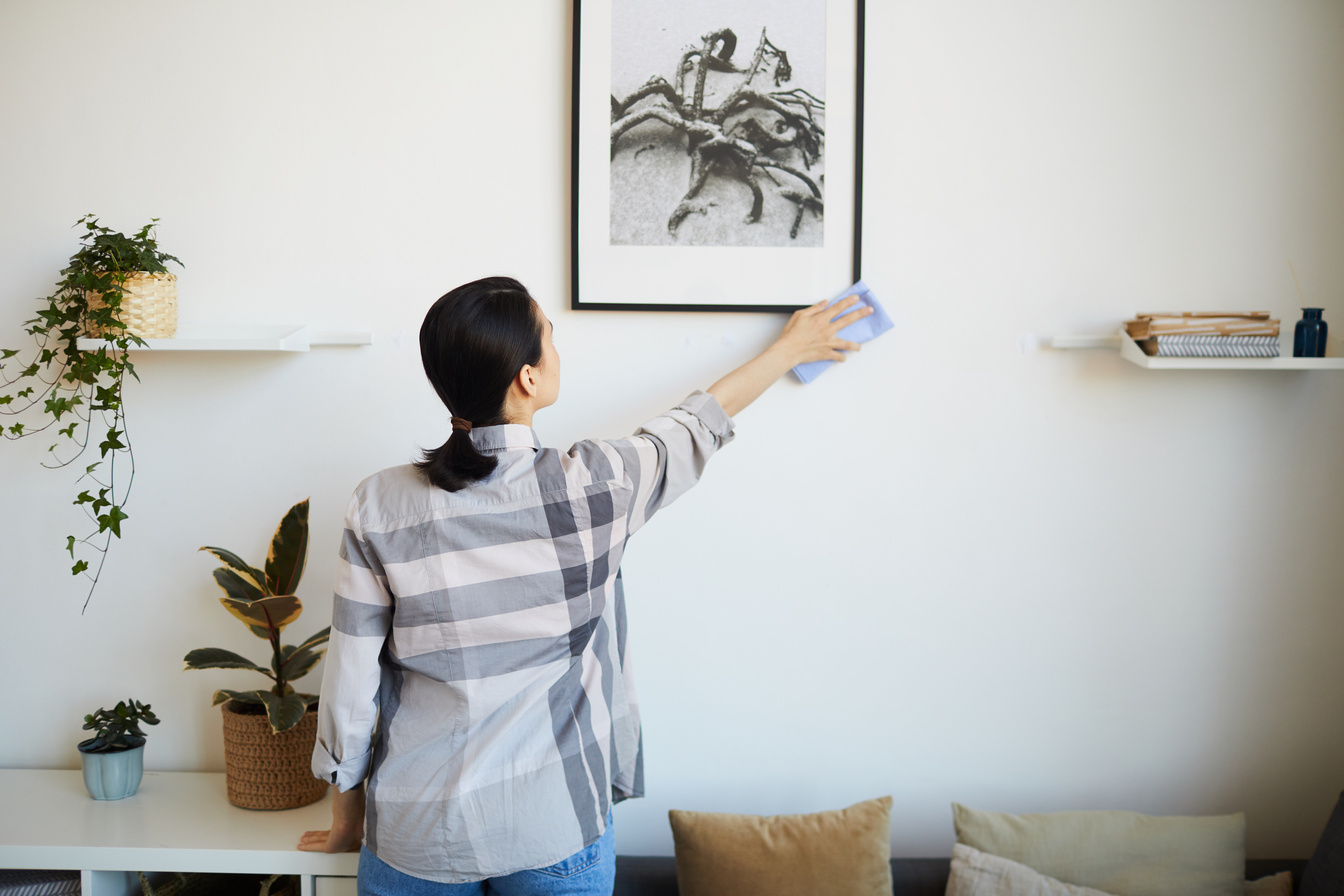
point(178, 821)
point(245, 339)
point(1130, 351)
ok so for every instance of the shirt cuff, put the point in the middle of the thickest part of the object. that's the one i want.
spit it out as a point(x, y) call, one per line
point(345, 775)
point(706, 408)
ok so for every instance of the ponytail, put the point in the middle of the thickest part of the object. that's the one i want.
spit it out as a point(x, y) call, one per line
point(456, 463)
point(473, 342)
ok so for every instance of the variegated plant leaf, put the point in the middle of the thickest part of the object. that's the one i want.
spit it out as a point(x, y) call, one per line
point(219, 658)
point(236, 586)
point(223, 695)
point(273, 612)
point(288, 551)
point(231, 559)
point(284, 712)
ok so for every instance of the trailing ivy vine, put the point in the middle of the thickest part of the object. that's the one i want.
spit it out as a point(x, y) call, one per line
point(76, 394)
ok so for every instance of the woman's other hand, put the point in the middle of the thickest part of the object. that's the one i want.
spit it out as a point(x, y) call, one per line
point(347, 824)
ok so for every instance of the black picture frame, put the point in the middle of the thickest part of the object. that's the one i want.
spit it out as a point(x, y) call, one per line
point(607, 277)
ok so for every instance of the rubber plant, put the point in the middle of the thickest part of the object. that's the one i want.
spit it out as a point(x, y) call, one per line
point(264, 600)
point(79, 391)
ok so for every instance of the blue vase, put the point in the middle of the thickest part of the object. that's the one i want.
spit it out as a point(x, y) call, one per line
point(1309, 335)
point(113, 776)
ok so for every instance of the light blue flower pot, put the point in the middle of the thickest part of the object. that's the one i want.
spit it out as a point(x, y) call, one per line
point(113, 776)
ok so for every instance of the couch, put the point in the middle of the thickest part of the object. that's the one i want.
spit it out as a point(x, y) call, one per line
point(657, 875)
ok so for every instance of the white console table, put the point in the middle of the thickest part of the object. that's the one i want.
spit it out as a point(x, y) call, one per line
point(178, 821)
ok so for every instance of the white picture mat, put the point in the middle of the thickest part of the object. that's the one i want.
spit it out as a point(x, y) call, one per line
point(711, 275)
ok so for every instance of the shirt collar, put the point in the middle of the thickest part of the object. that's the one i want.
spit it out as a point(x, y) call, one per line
point(506, 437)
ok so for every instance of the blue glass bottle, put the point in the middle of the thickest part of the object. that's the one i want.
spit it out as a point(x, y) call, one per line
point(1309, 335)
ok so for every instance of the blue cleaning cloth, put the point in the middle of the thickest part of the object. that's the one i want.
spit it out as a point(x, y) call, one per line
point(866, 328)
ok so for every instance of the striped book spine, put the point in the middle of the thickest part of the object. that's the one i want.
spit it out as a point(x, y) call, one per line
point(1184, 346)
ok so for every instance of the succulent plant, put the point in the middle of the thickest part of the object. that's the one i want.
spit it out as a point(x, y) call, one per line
point(118, 729)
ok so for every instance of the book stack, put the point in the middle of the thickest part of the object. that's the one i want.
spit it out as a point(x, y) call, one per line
point(1206, 334)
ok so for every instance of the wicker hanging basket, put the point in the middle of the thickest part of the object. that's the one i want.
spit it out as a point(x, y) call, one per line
point(148, 306)
point(265, 770)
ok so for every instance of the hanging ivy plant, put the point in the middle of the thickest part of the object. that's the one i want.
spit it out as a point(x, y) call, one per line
point(75, 394)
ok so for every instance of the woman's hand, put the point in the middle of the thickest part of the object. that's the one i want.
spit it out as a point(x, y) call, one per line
point(810, 335)
point(347, 824)
point(330, 841)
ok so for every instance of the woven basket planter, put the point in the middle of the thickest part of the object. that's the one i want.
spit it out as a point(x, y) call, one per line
point(148, 306)
point(265, 770)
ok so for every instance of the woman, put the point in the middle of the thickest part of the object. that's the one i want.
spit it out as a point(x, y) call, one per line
point(476, 674)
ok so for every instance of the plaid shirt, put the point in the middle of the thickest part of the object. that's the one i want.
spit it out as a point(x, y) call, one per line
point(481, 634)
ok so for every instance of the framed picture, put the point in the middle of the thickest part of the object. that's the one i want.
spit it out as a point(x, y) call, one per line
point(717, 157)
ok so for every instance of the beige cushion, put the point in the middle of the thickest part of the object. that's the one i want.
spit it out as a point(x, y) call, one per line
point(976, 873)
point(1280, 884)
point(1123, 853)
point(845, 851)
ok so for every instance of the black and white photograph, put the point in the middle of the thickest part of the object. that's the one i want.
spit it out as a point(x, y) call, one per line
point(718, 134)
point(717, 153)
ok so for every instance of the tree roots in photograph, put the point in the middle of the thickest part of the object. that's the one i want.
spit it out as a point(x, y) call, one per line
point(752, 134)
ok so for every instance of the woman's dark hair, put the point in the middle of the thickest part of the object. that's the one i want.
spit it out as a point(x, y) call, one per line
point(473, 343)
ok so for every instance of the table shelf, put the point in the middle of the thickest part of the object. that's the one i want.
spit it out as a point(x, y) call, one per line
point(178, 821)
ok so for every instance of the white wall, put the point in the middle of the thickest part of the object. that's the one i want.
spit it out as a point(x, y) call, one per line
point(946, 571)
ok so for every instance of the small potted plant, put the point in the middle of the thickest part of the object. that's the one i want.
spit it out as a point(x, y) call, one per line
point(113, 758)
point(116, 288)
point(268, 733)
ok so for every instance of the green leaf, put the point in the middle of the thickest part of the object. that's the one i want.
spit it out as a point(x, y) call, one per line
point(111, 520)
point(288, 551)
point(320, 638)
point(111, 443)
point(79, 567)
point(68, 431)
point(237, 587)
point(70, 545)
point(16, 429)
point(223, 695)
point(7, 353)
point(249, 572)
point(6, 399)
point(219, 658)
point(284, 712)
point(301, 663)
point(273, 612)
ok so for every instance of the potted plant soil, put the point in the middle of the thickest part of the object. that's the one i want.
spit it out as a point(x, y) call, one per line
point(113, 759)
point(268, 733)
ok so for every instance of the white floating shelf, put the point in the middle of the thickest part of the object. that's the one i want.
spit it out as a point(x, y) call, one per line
point(1130, 351)
point(245, 339)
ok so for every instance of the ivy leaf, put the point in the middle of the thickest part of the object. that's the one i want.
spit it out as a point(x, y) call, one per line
point(111, 520)
point(6, 399)
point(7, 353)
point(111, 443)
point(16, 429)
point(79, 567)
point(70, 545)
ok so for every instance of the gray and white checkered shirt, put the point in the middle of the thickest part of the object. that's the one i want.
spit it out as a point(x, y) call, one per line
point(481, 633)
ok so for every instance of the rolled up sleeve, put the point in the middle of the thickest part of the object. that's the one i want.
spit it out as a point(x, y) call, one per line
point(667, 455)
point(361, 619)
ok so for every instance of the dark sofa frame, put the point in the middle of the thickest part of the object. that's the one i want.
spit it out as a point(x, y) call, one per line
point(657, 875)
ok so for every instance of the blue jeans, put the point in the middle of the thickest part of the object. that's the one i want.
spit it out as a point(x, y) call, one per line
point(589, 872)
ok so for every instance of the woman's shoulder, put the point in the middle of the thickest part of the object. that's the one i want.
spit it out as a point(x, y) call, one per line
point(393, 493)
